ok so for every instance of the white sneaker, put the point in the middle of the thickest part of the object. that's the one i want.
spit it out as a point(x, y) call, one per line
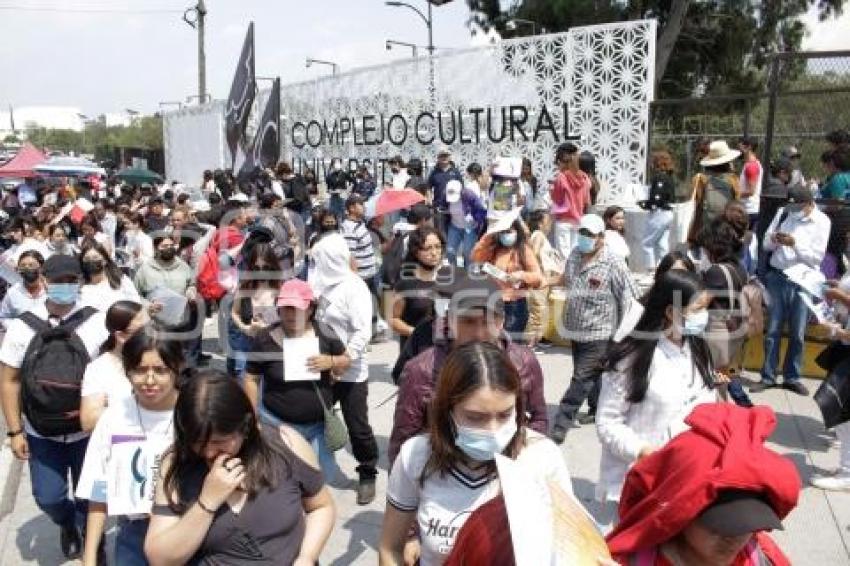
point(838, 482)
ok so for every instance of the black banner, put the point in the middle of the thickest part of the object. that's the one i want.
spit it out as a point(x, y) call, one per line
point(241, 95)
point(266, 147)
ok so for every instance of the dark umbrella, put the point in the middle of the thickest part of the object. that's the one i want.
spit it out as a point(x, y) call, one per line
point(138, 176)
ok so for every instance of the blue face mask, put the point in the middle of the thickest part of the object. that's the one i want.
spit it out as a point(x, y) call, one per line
point(695, 323)
point(63, 293)
point(507, 239)
point(483, 445)
point(585, 244)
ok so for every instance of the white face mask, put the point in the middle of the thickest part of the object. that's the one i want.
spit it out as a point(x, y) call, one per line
point(483, 445)
point(695, 323)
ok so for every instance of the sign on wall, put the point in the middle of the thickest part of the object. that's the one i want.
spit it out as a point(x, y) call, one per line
point(519, 98)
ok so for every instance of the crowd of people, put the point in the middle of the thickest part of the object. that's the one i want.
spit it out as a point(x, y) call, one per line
point(106, 393)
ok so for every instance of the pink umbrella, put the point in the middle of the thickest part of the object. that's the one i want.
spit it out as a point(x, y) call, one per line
point(391, 200)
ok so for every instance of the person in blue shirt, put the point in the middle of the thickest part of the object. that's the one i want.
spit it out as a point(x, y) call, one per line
point(836, 162)
point(440, 176)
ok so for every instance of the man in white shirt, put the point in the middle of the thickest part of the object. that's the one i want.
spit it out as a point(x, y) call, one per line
point(50, 458)
point(797, 236)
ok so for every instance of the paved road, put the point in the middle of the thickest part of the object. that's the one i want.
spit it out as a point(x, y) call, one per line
point(817, 532)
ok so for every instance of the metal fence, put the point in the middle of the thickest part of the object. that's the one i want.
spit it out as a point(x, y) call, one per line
point(807, 95)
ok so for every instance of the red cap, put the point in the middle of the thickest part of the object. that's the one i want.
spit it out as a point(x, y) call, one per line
point(295, 293)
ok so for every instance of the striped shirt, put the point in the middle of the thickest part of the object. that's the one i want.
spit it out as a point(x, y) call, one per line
point(598, 295)
point(362, 249)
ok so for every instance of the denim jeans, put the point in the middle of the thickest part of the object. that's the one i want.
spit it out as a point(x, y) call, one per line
point(337, 206)
point(49, 464)
point(460, 242)
point(785, 306)
point(130, 542)
point(313, 433)
point(588, 362)
point(656, 237)
point(516, 319)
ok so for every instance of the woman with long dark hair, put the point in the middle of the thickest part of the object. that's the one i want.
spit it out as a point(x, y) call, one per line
point(441, 477)
point(126, 446)
point(654, 378)
point(615, 231)
point(103, 282)
point(412, 299)
point(104, 381)
point(505, 247)
point(223, 470)
point(251, 308)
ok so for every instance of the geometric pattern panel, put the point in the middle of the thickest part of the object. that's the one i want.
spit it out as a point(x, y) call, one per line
point(519, 97)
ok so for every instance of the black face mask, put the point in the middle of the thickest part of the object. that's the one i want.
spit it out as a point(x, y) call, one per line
point(329, 228)
point(30, 275)
point(93, 266)
point(167, 254)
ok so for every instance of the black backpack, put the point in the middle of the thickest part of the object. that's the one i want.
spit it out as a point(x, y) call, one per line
point(52, 374)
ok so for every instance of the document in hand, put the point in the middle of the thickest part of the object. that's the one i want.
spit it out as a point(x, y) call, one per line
point(173, 305)
point(810, 280)
point(548, 525)
point(296, 352)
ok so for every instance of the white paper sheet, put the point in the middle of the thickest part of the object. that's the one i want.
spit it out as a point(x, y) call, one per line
point(548, 525)
point(296, 352)
point(173, 305)
point(810, 280)
point(820, 310)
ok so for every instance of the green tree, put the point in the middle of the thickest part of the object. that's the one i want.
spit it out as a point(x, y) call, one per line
point(704, 46)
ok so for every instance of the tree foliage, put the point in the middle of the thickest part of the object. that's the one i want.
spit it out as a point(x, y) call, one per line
point(99, 139)
point(719, 47)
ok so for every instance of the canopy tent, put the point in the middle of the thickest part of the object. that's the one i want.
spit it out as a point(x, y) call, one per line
point(69, 166)
point(21, 166)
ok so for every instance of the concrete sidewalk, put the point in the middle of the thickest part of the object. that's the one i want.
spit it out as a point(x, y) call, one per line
point(817, 532)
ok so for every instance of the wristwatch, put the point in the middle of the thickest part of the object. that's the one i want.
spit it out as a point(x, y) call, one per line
point(13, 433)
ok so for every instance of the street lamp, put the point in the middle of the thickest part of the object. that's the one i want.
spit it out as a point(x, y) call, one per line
point(85, 119)
point(513, 24)
point(391, 42)
point(331, 64)
point(429, 23)
point(176, 103)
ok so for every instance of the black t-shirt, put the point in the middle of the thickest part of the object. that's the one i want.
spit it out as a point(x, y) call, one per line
point(296, 401)
point(270, 527)
point(418, 298)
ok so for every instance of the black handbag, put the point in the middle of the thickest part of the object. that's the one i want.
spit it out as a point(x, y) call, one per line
point(833, 397)
point(832, 355)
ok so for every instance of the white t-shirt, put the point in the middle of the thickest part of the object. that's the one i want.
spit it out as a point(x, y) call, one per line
point(92, 332)
point(121, 425)
point(105, 376)
point(617, 244)
point(456, 212)
point(443, 504)
point(102, 296)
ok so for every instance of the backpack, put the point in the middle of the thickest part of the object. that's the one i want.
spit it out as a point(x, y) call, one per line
point(207, 281)
point(718, 193)
point(52, 374)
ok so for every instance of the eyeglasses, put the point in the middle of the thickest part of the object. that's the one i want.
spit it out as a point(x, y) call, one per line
point(141, 372)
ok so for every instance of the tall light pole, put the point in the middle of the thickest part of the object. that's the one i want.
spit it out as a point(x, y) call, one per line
point(310, 61)
point(414, 47)
point(85, 119)
point(197, 22)
point(429, 22)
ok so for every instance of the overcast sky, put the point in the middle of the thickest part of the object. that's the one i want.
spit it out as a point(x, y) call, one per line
point(106, 62)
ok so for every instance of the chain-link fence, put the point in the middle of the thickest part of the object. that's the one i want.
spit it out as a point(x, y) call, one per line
point(807, 95)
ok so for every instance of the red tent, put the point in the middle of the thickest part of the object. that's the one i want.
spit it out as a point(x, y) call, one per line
point(22, 164)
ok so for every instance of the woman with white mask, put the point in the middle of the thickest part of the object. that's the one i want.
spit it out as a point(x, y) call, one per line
point(440, 478)
point(655, 377)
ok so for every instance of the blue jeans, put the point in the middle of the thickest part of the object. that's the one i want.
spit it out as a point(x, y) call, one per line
point(237, 342)
point(49, 464)
point(130, 542)
point(337, 206)
point(785, 306)
point(516, 318)
point(460, 240)
point(656, 237)
point(313, 433)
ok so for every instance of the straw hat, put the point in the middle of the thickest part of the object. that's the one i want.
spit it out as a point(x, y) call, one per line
point(719, 153)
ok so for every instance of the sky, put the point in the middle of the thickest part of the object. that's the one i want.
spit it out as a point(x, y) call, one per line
point(105, 62)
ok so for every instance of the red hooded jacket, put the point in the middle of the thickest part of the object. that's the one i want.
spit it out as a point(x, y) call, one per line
point(724, 449)
point(223, 240)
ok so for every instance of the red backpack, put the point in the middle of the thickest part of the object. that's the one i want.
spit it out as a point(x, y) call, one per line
point(208, 268)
